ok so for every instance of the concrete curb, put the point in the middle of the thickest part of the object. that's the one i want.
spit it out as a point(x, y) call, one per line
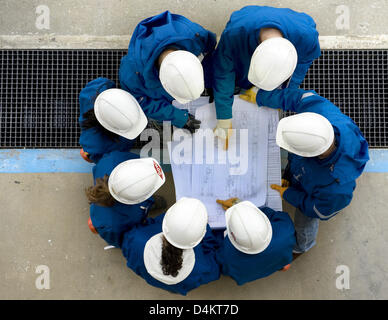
point(54, 41)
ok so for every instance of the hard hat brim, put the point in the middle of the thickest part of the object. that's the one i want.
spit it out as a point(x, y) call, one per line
point(172, 241)
point(159, 183)
point(284, 145)
point(128, 134)
point(137, 129)
point(262, 83)
point(235, 244)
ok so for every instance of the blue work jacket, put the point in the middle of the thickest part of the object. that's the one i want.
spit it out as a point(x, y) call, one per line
point(139, 74)
point(244, 267)
point(321, 188)
point(112, 222)
point(94, 140)
point(240, 39)
point(205, 268)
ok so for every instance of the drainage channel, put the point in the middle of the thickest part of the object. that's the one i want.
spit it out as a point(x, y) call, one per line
point(39, 92)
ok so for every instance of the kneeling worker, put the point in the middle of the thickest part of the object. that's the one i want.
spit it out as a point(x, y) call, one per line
point(123, 194)
point(261, 46)
point(110, 119)
point(259, 242)
point(326, 154)
point(169, 58)
point(176, 250)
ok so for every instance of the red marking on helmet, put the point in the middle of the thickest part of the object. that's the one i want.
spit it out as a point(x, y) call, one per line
point(233, 236)
point(159, 170)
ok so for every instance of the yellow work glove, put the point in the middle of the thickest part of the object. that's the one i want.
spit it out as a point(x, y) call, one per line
point(285, 183)
point(226, 204)
point(249, 95)
point(223, 130)
point(279, 189)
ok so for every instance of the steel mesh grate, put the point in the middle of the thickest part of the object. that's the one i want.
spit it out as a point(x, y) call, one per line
point(39, 91)
point(357, 82)
point(39, 94)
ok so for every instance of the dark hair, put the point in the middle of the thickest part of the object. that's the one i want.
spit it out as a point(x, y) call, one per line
point(99, 193)
point(157, 64)
point(172, 259)
point(92, 122)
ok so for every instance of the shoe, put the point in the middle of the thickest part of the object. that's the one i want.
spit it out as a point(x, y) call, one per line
point(91, 227)
point(285, 268)
point(85, 156)
point(159, 203)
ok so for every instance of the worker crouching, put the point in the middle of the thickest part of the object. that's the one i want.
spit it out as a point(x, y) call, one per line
point(122, 194)
point(326, 154)
point(262, 46)
point(258, 242)
point(169, 58)
point(174, 251)
point(110, 119)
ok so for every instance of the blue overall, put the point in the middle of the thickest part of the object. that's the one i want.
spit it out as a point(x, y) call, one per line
point(240, 39)
point(205, 269)
point(321, 188)
point(93, 140)
point(138, 73)
point(244, 267)
point(112, 222)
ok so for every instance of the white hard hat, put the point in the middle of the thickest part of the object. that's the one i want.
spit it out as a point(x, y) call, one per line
point(249, 229)
point(118, 111)
point(184, 224)
point(181, 75)
point(272, 63)
point(134, 181)
point(306, 134)
point(152, 256)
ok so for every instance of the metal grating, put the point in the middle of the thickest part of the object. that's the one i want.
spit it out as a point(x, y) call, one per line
point(357, 82)
point(39, 91)
point(39, 94)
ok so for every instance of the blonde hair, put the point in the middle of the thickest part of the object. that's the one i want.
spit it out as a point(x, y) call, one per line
point(99, 193)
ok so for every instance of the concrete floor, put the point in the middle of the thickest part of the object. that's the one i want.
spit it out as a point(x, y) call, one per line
point(43, 222)
point(109, 23)
point(119, 17)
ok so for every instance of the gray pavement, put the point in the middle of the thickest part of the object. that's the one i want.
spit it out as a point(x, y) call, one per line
point(43, 222)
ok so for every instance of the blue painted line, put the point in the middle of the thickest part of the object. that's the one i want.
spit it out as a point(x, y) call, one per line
point(69, 160)
point(378, 161)
point(48, 160)
point(42, 160)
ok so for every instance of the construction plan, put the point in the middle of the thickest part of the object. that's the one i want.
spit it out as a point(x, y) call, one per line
point(208, 172)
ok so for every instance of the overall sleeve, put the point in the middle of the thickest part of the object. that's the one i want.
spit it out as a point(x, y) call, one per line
point(323, 203)
point(285, 99)
point(112, 237)
point(207, 62)
point(224, 79)
point(309, 51)
point(303, 66)
point(299, 74)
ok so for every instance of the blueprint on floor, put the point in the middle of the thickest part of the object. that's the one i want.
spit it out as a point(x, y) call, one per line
point(244, 171)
